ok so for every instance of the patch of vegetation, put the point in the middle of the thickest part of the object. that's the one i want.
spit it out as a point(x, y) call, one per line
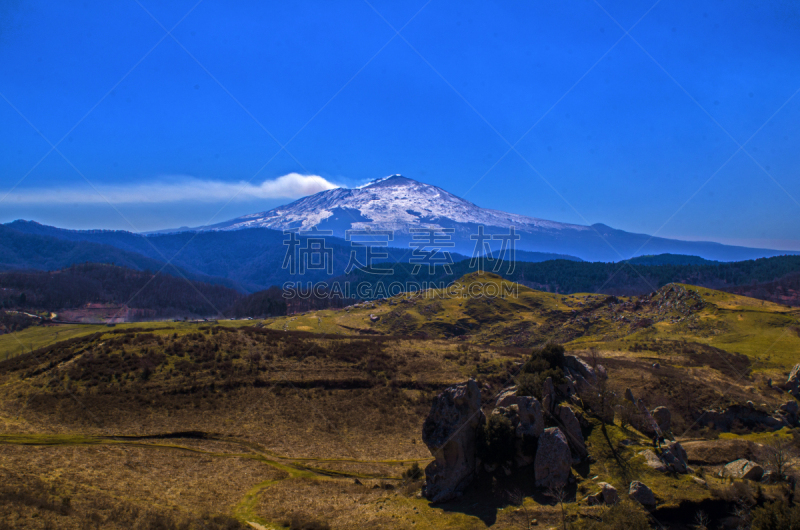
point(495, 440)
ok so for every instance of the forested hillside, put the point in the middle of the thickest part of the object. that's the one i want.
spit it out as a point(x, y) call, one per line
point(625, 278)
point(76, 286)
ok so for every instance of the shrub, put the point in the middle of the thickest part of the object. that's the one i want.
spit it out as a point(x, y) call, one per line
point(413, 473)
point(776, 516)
point(496, 440)
point(543, 359)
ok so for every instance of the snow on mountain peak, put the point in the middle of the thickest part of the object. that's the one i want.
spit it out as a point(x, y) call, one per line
point(395, 203)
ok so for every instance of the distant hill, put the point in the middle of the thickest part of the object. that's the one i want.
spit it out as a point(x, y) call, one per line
point(625, 278)
point(76, 286)
point(250, 260)
point(784, 290)
point(670, 259)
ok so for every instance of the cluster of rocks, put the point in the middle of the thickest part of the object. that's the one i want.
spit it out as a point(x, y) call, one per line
point(751, 416)
point(672, 459)
point(637, 491)
point(450, 432)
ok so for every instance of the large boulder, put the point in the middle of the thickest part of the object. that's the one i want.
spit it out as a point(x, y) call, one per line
point(793, 383)
point(642, 494)
point(449, 432)
point(663, 418)
point(743, 468)
point(572, 430)
point(553, 460)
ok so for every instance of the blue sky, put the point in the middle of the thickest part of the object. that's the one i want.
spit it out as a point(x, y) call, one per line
point(641, 132)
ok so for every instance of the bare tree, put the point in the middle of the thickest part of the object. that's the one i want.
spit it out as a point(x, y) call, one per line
point(560, 496)
point(701, 520)
point(777, 455)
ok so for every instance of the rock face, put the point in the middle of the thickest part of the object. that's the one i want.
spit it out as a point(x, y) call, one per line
point(743, 469)
point(449, 433)
point(553, 459)
point(793, 383)
point(572, 431)
point(642, 494)
point(531, 417)
point(581, 367)
point(663, 418)
point(675, 458)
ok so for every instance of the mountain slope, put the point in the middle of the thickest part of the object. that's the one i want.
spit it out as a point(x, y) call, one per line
point(400, 204)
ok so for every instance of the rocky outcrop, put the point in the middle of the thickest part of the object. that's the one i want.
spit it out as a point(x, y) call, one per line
point(640, 493)
point(749, 417)
point(572, 431)
point(531, 417)
point(607, 495)
point(449, 433)
point(580, 368)
point(525, 414)
point(675, 458)
point(629, 395)
point(553, 460)
point(743, 469)
point(793, 383)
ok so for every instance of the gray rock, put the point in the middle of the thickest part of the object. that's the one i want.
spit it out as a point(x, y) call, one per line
point(793, 383)
point(674, 457)
point(629, 395)
point(572, 430)
point(553, 459)
point(581, 367)
point(609, 492)
point(449, 432)
point(663, 418)
point(743, 468)
point(374, 318)
point(642, 494)
point(652, 460)
point(601, 372)
point(531, 417)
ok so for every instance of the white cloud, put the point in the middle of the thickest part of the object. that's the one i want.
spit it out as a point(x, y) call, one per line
point(172, 189)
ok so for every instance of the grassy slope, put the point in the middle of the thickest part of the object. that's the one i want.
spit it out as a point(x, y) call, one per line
point(291, 437)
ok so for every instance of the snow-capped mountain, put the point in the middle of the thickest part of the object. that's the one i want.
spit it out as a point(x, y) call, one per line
point(400, 204)
point(392, 203)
